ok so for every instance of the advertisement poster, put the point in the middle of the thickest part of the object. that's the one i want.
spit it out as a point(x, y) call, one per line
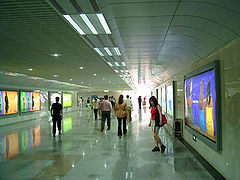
point(8, 102)
point(30, 101)
point(170, 100)
point(164, 106)
point(200, 106)
point(53, 97)
point(67, 100)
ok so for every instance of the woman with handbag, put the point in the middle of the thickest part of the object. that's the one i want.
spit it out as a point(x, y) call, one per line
point(121, 114)
point(156, 122)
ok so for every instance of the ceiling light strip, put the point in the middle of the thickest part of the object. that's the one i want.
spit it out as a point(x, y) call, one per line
point(123, 63)
point(99, 52)
point(104, 23)
point(74, 24)
point(117, 51)
point(110, 64)
point(117, 64)
point(108, 51)
point(88, 23)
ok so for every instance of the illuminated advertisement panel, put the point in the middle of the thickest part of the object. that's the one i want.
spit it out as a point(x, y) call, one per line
point(201, 103)
point(8, 102)
point(53, 96)
point(30, 101)
point(67, 100)
point(170, 102)
point(164, 106)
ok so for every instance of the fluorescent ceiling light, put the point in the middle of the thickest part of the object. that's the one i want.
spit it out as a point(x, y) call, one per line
point(108, 51)
point(55, 55)
point(110, 64)
point(95, 74)
point(104, 23)
point(99, 52)
point(106, 91)
point(117, 64)
point(126, 71)
point(80, 67)
point(72, 22)
point(116, 70)
point(55, 75)
point(70, 79)
point(117, 51)
point(123, 63)
point(122, 71)
point(88, 22)
point(82, 82)
point(30, 69)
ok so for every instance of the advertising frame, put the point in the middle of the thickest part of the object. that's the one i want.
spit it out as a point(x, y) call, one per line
point(62, 99)
point(27, 90)
point(49, 98)
point(215, 65)
point(18, 103)
point(172, 117)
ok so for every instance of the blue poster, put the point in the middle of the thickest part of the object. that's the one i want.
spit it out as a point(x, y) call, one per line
point(200, 106)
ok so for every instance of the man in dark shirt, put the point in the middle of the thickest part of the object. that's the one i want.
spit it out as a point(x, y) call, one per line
point(56, 113)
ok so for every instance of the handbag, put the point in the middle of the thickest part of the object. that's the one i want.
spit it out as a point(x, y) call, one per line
point(164, 119)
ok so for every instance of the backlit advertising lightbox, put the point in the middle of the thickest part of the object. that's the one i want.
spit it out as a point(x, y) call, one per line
point(53, 96)
point(164, 106)
point(8, 102)
point(67, 100)
point(170, 102)
point(201, 104)
point(30, 101)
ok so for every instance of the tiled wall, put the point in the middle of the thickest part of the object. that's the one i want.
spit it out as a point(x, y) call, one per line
point(227, 161)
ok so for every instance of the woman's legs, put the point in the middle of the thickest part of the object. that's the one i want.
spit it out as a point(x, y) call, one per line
point(124, 126)
point(119, 126)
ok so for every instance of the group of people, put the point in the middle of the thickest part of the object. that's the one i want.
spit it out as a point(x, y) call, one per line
point(123, 110)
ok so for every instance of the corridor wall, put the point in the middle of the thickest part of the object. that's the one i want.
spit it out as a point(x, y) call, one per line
point(226, 161)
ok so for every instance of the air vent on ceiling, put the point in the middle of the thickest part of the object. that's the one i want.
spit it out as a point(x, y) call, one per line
point(76, 6)
point(95, 5)
point(57, 6)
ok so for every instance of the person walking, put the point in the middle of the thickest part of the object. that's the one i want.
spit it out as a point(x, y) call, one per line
point(95, 107)
point(106, 107)
point(129, 108)
point(121, 114)
point(156, 123)
point(56, 113)
point(140, 102)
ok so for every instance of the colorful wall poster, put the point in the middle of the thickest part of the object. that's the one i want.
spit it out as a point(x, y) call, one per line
point(170, 102)
point(53, 96)
point(67, 100)
point(30, 101)
point(200, 106)
point(8, 102)
point(164, 106)
point(67, 124)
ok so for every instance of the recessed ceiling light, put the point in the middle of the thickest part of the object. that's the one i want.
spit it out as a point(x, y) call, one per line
point(55, 55)
point(108, 51)
point(98, 51)
point(104, 23)
point(117, 51)
point(74, 24)
point(55, 75)
point(89, 84)
point(110, 64)
point(95, 74)
point(117, 64)
point(80, 67)
point(123, 63)
point(109, 81)
point(70, 79)
point(30, 69)
point(82, 82)
point(88, 22)
point(103, 79)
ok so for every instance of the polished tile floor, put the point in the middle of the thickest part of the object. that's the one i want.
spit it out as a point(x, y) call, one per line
point(28, 151)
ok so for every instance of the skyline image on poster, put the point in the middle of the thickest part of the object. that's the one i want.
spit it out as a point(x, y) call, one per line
point(200, 104)
point(170, 100)
point(67, 100)
point(30, 101)
point(163, 99)
point(8, 102)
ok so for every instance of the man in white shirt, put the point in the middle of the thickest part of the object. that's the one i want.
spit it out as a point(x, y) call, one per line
point(129, 108)
point(106, 107)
